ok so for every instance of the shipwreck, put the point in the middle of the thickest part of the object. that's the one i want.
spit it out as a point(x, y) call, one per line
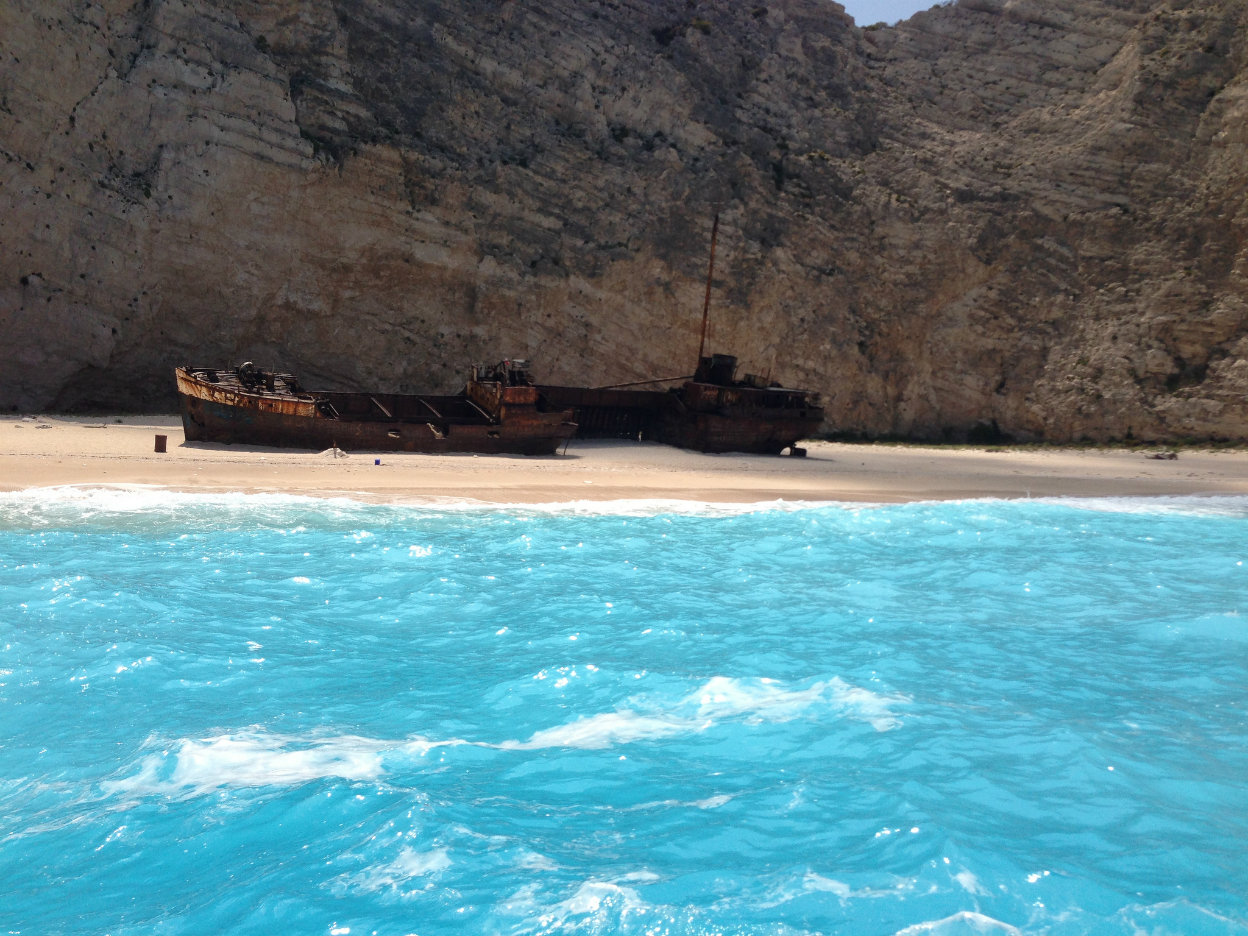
point(498, 412)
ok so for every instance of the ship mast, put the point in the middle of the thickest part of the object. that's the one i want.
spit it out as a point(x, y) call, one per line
point(706, 305)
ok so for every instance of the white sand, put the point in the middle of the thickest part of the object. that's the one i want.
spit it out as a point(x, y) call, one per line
point(46, 450)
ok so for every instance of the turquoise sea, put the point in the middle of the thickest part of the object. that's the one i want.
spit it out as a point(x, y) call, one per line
point(253, 714)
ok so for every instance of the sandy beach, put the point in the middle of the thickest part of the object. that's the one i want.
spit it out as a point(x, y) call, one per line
point(38, 451)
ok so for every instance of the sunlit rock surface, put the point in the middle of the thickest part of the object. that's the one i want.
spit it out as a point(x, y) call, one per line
point(1017, 218)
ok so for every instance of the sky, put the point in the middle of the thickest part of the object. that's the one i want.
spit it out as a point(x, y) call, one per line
point(868, 12)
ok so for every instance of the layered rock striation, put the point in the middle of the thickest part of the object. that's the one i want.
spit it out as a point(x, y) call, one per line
point(1000, 218)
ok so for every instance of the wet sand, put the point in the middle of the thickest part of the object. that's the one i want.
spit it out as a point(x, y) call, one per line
point(37, 451)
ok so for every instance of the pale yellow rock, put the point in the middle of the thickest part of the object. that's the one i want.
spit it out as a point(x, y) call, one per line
point(1021, 217)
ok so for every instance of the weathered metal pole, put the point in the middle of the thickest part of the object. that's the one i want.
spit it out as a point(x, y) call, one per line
point(706, 305)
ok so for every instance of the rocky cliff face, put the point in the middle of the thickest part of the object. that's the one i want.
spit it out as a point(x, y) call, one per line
point(1002, 216)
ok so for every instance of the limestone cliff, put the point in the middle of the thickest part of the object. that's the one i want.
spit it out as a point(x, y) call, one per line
point(1002, 216)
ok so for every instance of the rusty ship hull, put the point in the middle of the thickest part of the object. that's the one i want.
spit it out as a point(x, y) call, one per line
point(252, 407)
point(712, 412)
point(758, 420)
point(607, 413)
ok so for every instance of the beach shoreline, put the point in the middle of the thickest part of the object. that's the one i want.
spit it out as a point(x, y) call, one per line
point(50, 451)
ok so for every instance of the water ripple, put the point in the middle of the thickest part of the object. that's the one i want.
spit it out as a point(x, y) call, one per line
point(260, 714)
